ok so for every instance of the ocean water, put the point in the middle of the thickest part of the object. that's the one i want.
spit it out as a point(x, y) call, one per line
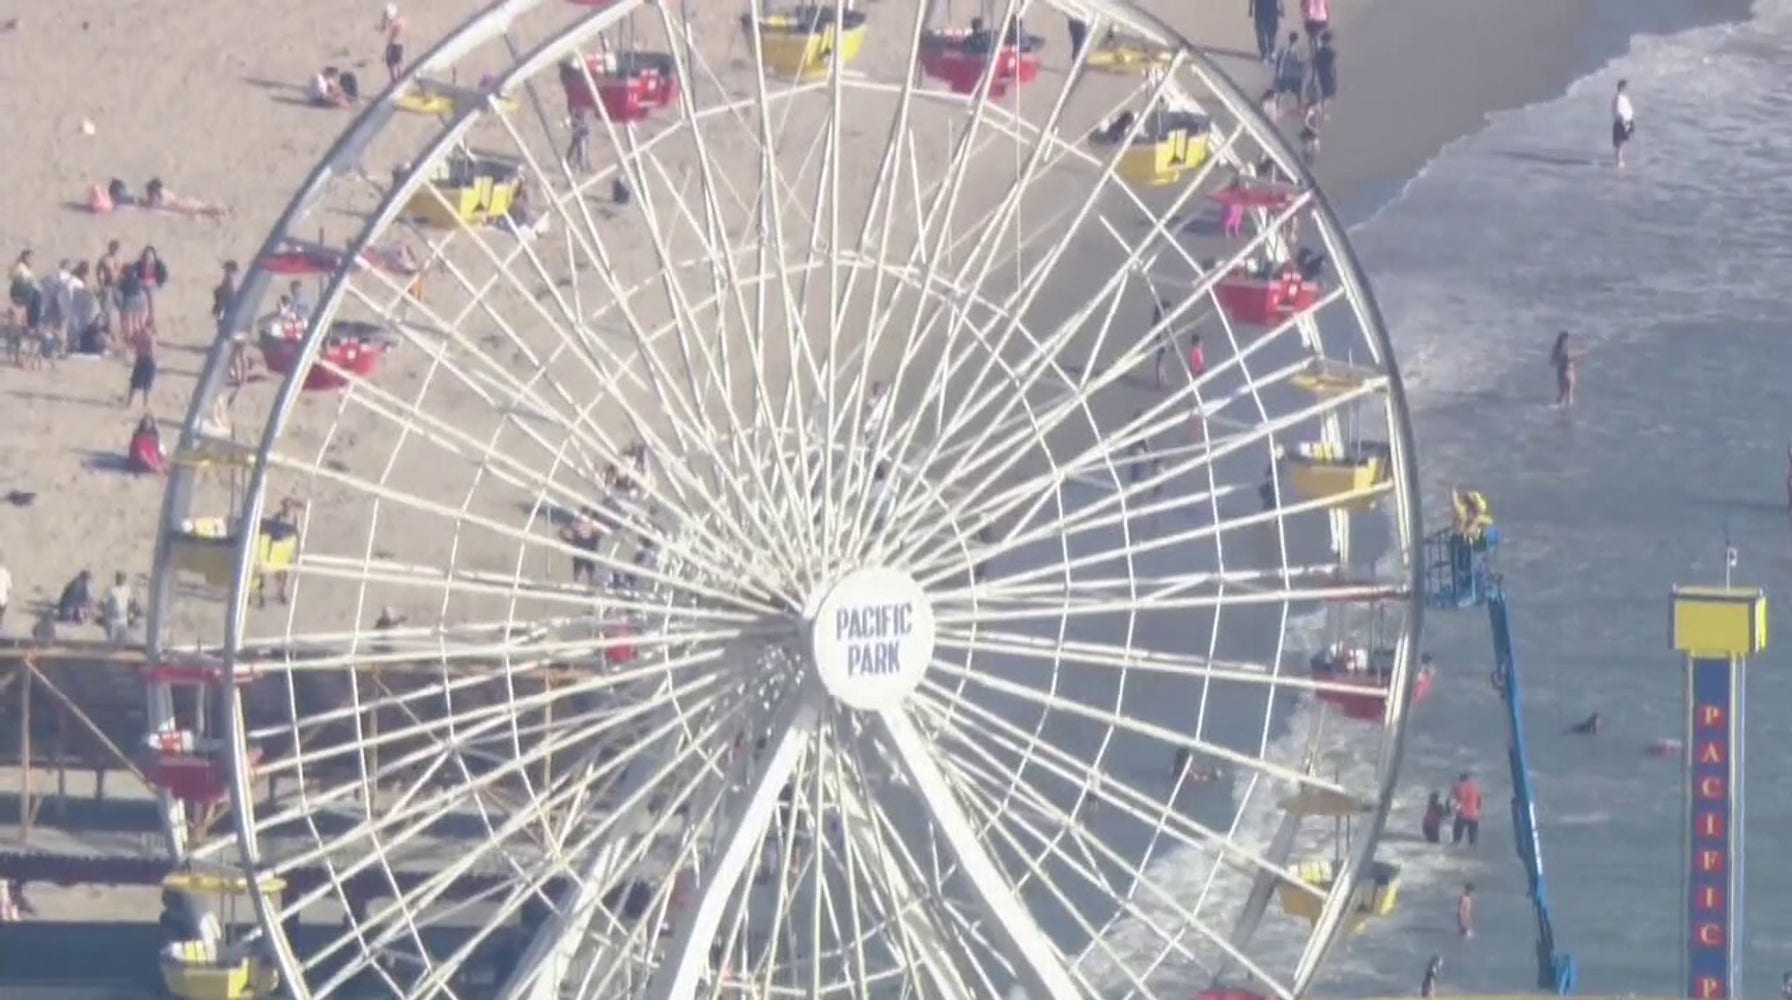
point(1673, 277)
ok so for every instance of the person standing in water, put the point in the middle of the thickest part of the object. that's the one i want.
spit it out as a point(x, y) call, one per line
point(1465, 799)
point(1433, 970)
point(1465, 911)
point(1567, 365)
point(1623, 121)
point(1436, 811)
point(1789, 496)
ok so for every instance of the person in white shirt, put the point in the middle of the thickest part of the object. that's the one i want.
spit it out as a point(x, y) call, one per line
point(5, 592)
point(1623, 121)
point(119, 611)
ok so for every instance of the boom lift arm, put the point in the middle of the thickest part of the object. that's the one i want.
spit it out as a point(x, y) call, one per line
point(1460, 575)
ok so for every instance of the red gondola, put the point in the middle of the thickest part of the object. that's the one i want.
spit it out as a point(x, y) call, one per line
point(623, 653)
point(308, 261)
point(189, 769)
point(1368, 670)
point(354, 348)
point(959, 57)
point(192, 671)
point(1274, 197)
point(630, 85)
point(1264, 301)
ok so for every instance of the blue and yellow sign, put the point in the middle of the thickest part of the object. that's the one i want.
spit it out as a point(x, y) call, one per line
point(1714, 837)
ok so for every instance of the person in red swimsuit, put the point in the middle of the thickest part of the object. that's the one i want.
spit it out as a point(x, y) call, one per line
point(1465, 798)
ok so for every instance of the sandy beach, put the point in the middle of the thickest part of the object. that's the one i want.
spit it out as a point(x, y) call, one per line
point(208, 97)
point(230, 126)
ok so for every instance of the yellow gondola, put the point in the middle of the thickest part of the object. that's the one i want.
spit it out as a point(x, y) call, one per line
point(1316, 471)
point(466, 188)
point(204, 546)
point(423, 99)
point(1326, 378)
point(1377, 894)
point(1166, 146)
point(1310, 801)
point(1127, 56)
point(214, 453)
point(208, 969)
point(803, 43)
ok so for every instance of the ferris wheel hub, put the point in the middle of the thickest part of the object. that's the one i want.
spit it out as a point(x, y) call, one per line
point(871, 637)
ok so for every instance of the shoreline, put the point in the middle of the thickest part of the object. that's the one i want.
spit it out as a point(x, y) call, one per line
point(1406, 93)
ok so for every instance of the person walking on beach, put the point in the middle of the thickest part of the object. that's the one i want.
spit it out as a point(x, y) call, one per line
point(1266, 17)
point(1465, 911)
point(1290, 74)
point(1079, 35)
point(1465, 800)
point(143, 364)
point(1567, 365)
point(392, 24)
point(105, 282)
point(1789, 490)
point(1623, 121)
point(118, 612)
point(1310, 137)
point(578, 149)
point(1166, 343)
point(1317, 15)
point(1325, 75)
point(5, 592)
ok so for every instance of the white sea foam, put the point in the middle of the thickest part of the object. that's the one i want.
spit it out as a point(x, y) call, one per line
point(1510, 235)
point(1672, 275)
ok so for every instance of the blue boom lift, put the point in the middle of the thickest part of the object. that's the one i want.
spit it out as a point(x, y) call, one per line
point(1460, 574)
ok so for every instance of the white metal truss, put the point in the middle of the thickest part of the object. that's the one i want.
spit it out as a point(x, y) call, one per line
point(783, 547)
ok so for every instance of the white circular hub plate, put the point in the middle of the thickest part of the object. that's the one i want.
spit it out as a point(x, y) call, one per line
point(872, 638)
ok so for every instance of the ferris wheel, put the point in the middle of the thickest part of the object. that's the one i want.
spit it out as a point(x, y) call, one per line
point(831, 500)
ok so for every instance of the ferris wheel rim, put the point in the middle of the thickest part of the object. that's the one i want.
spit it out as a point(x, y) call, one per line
point(1348, 269)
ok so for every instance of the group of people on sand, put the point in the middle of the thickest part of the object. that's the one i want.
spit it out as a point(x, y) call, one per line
point(117, 611)
point(81, 309)
point(98, 309)
point(622, 486)
point(1303, 73)
point(156, 197)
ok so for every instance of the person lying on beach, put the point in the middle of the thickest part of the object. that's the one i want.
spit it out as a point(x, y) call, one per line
point(158, 197)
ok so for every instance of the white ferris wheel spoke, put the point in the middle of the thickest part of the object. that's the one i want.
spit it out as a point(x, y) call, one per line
point(1037, 962)
point(990, 737)
point(532, 881)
